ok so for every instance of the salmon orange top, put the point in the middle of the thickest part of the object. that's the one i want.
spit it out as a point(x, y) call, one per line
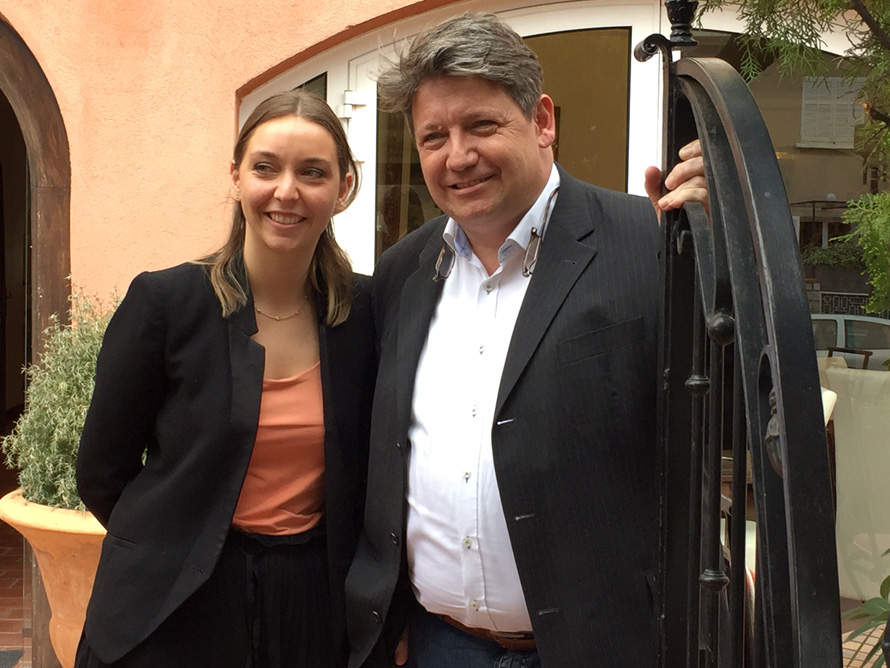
point(283, 491)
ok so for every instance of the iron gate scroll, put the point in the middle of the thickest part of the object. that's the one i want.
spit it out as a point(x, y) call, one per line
point(740, 377)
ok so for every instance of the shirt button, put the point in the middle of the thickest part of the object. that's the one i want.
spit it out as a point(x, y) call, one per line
point(467, 476)
point(474, 605)
point(467, 542)
point(488, 287)
point(394, 538)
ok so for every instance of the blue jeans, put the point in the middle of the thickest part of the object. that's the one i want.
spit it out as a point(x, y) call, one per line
point(433, 643)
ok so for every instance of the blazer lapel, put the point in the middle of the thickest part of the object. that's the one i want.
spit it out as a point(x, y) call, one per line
point(247, 360)
point(417, 305)
point(563, 258)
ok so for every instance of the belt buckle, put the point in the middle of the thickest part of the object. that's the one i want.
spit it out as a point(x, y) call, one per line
point(521, 635)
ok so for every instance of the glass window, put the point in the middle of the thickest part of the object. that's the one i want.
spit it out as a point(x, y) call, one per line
point(403, 200)
point(830, 111)
point(592, 101)
point(825, 333)
point(867, 335)
point(317, 85)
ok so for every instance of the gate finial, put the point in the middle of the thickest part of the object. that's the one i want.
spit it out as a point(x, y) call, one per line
point(681, 14)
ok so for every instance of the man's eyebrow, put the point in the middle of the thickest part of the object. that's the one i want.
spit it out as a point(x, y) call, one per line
point(428, 126)
point(474, 115)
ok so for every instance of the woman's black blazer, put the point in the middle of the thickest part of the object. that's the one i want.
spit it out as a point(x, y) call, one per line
point(169, 435)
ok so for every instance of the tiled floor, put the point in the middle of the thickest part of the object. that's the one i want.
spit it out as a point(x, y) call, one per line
point(15, 594)
point(856, 651)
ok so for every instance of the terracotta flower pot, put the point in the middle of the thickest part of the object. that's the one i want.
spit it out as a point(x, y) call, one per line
point(67, 544)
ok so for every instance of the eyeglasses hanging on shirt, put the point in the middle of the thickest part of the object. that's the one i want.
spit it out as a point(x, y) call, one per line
point(445, 261)
point(534, 243)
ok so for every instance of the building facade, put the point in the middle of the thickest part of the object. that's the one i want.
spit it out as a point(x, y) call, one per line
point(117, 122)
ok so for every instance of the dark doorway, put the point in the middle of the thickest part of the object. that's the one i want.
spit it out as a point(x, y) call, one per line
point(47, 179)
point(14, 261)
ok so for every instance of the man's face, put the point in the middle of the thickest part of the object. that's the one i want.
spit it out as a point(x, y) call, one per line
point(484, 162)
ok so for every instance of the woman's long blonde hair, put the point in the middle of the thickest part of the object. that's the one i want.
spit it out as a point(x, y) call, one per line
point(330, 271)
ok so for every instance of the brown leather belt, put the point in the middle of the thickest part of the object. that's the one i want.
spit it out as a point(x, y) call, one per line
point(513, 642)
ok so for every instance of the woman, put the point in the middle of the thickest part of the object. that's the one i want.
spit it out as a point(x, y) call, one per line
point(225, 447)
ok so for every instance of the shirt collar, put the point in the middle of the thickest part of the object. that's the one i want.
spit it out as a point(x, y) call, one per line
point(457, 241)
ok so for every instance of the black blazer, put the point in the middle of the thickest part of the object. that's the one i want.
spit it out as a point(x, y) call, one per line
point(573, 436)
point(177, 381)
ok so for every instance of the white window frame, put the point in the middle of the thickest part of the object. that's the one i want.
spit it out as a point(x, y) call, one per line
point(352, 92)
point(829, 112)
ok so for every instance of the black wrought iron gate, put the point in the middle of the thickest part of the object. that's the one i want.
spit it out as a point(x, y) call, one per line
point(740, 384)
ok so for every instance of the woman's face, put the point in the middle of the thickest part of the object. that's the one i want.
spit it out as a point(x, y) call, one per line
point(289, 186)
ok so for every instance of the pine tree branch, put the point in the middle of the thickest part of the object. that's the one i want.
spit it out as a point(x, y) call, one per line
point(868, 18)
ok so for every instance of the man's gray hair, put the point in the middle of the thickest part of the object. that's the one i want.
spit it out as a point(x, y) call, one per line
point(469, 45)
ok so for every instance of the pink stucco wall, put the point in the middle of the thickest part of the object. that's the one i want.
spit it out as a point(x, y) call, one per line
point(147, 91)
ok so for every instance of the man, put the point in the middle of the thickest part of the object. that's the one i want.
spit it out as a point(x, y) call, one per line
point(512, 501)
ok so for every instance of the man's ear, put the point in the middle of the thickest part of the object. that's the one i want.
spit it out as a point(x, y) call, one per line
point(544, 116)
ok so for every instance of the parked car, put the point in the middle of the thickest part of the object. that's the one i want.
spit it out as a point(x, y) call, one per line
point(855, 334)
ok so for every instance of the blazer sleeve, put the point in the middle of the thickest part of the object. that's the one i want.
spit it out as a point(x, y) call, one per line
point(130, 385)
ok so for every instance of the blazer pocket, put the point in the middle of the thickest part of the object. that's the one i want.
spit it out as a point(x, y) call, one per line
point(600, 341)
point(120, 542)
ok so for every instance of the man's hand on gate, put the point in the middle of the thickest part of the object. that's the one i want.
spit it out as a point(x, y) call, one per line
point(685, 183)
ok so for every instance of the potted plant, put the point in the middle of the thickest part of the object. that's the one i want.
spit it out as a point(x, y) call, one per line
point(46, 510)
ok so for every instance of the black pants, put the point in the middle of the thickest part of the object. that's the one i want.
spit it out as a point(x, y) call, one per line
point(266, 605)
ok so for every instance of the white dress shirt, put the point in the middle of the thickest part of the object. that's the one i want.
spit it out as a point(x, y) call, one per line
point(459, 553)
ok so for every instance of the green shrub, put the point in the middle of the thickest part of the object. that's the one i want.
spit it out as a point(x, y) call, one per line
point(43, 445)
point(870, 218)
point(839, 253)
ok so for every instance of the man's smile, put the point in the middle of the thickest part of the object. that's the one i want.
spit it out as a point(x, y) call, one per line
point(469, 184)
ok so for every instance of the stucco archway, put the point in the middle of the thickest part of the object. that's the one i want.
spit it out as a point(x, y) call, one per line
point(24, 84)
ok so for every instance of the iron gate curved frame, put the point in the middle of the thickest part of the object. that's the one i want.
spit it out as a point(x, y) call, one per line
point(740, 375)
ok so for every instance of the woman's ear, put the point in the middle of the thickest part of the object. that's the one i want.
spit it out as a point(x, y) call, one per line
point(345, 189)
point(236, 191)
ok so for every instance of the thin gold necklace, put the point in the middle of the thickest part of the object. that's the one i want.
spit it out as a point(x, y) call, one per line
point(279, 318)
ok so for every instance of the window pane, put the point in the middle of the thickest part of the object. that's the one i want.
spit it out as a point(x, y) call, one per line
point(587, 73)
point(867, 335)
point(825, 333)
point(317, 85)
point(403, 200)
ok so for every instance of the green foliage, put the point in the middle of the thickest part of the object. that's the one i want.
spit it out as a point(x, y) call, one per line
point(870, 217)
point(840, 253)
point(791, 30)
point(44, 442)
